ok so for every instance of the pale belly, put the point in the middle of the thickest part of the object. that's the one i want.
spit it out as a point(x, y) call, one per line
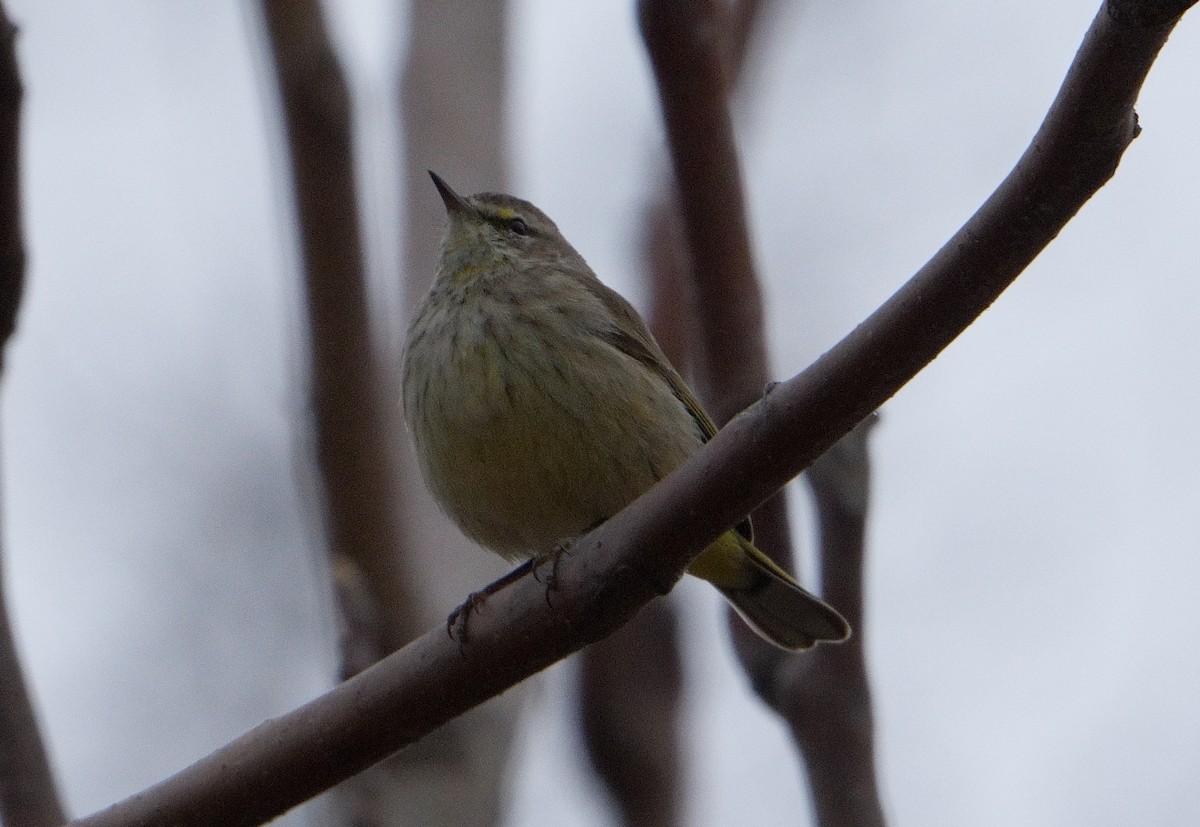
point(546, 451)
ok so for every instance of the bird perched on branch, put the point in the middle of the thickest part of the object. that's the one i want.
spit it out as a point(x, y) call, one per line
point(540, 405)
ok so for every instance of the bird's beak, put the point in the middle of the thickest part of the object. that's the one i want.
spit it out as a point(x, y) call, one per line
point(455, 203)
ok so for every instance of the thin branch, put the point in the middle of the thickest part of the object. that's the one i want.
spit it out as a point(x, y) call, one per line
point(671, 302)
point(630, 683)
point(642, 550)
point(355, 455)
point(454, 68)
point(12, 239)
point(693, 93)
point(729, 351)
point(629, 706)
point(28, 794)
point(825, 697)
point(688, 285)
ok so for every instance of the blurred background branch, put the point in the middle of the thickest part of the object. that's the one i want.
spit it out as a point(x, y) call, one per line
point(631, 735)
point(825, 696)
point(729, 356)
point(352, 432)
point(694, 84)
point(629, 701)
point(453, 93)
point(387, 590)
point(28, 794)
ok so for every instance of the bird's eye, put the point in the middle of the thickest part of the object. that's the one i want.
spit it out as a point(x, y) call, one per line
point(518, 226)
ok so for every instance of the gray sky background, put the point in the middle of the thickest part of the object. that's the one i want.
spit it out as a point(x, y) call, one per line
point(1033, 626)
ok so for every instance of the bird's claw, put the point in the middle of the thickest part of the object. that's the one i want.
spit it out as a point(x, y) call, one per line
point(551, 561)
point(456, 623)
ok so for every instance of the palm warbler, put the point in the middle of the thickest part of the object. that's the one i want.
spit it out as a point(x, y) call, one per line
point(540, 406)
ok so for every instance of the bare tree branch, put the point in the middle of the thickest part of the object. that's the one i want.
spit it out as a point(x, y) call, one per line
point(355, 454)
point(12, 239)
point(670, 302)
point(385, 588)
point(687, 54)
point(629, 683)
point(663, 251)
point(825, 697)
point(453, 99)
point(642, 550)
point(629, 704)
point(631, 734)
point(730, 352)
point(28, 794)
point(664, 255)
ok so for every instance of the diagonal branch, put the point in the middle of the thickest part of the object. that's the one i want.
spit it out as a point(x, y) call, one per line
point(640, 552)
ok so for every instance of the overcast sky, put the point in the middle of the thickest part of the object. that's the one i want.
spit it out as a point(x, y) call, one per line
point(1033, 625)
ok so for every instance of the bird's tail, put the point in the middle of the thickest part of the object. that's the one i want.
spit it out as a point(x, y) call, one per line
point(767, 597)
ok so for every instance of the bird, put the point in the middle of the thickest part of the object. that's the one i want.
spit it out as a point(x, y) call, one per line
point(540, 405)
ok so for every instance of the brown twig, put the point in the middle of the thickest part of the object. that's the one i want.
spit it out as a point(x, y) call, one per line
point(639, 552)
point(629, 701)
point(355, 454)
point(28, 794)
point(629, 683)
point(12, 239)
point(629, 734)
point(729, 349)
point(671, 301)
point(825, 697)
point(377, 563)
point(684, 39)
point(452, 95)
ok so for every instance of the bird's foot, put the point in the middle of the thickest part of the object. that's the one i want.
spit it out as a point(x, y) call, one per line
point(456, 623)
point(550, 561)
